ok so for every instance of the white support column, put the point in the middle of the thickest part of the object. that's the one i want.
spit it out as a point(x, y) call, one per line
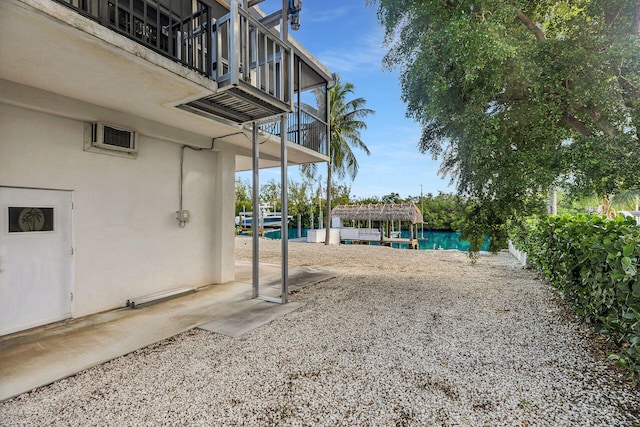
point(223, 234)
point(256, 214)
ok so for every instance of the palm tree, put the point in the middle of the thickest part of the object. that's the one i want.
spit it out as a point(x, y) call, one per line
point(627, 198)
point(346, 123)
point(32, 218)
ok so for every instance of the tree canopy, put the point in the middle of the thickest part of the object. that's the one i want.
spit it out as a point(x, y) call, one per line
point(517, 96)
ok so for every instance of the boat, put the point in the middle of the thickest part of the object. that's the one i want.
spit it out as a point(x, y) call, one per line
point(268, 218)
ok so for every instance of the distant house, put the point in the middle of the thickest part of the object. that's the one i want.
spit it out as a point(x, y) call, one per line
point(122, 125)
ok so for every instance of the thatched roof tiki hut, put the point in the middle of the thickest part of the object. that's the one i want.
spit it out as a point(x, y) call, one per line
point(386, 216)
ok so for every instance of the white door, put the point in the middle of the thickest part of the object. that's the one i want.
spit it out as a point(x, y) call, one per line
point(35, 258)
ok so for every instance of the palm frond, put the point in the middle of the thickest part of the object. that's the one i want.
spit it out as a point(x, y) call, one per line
point(627, 199)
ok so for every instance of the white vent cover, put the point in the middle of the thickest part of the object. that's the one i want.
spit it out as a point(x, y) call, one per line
point(109, 139)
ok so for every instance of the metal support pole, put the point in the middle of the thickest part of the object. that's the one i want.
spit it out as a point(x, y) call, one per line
point(256, 214)
point(298, 110)
point(284, 228)
point(284, 26)
point(421, 212)
point(235, 52)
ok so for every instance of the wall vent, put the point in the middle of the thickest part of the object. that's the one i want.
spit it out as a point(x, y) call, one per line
point(109, 139)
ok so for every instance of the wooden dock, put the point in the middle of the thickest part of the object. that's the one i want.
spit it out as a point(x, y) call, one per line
point(412, 243)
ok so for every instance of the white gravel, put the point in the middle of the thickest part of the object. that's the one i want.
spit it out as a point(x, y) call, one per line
point(401, 338)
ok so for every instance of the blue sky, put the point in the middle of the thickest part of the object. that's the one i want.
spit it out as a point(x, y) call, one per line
point(345, 36)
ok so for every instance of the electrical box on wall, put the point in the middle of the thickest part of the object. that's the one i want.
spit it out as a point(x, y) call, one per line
point(182, 216)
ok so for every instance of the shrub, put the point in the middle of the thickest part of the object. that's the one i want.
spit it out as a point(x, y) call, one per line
point(593, 263)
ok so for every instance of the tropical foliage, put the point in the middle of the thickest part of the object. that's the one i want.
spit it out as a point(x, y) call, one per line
point(517, 97)
point(243, 196)
point(628, 200)
point(347, 122)
point(594, 264)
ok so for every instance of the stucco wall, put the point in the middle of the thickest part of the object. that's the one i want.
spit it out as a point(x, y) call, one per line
point(127, 241)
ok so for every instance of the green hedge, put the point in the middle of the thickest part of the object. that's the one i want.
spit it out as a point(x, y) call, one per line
point(593, 263)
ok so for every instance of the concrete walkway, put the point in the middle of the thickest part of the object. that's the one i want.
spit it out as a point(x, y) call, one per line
point(43, 355)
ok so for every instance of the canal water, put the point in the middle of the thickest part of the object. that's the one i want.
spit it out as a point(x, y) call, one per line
point(430, 241)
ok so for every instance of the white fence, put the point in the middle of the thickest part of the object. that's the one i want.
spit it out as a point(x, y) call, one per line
point(519, 255)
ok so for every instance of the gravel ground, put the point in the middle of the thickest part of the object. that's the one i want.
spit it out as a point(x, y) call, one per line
point(401, 338)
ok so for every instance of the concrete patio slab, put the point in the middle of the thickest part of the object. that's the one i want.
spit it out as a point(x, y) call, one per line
point(247, 315)
point(40, 356)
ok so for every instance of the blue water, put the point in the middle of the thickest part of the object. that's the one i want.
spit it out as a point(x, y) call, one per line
point(431, 239)
point(445, 240)
point(293, 233)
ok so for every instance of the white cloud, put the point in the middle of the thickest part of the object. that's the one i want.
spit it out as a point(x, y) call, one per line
point(365, 54)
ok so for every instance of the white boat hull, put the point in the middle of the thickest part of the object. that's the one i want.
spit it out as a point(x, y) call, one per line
point(273, 221)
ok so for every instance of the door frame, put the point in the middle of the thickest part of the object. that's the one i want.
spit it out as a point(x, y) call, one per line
point(69, 288)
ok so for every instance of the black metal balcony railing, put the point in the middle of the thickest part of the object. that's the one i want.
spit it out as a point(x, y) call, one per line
point(303, 128)
point(178, 29)
point(233, 50)
point(307, 130)
point(252, 66)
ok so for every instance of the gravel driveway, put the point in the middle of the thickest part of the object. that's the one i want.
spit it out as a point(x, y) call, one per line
point(401, 338)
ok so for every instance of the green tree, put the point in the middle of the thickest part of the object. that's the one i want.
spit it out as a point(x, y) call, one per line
point(504, 89)
point(392, 198)
point(369, 200)
point(340, 194)
point(347, 121)
point(299, 194)
point(605, 166)
point(243, 196)
point(443, 212)
point(270, 194)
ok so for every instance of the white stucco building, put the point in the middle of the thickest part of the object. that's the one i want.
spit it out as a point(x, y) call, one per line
point(116, 114)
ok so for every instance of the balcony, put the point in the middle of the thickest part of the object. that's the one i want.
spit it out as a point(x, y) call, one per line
point(252, 67)
point(258, 75)
point(305, 126)
point(179, 29)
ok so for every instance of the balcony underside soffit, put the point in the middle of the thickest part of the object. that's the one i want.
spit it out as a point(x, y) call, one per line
point(239, 104)
point(244, 103)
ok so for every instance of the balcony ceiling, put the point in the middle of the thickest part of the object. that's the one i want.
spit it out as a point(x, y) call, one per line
point(50, 47)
